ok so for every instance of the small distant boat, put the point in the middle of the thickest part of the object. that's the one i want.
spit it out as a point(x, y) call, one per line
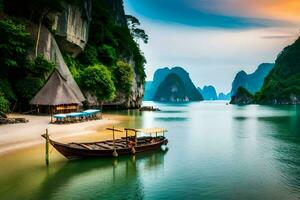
point(149, 108)
point(113, 148)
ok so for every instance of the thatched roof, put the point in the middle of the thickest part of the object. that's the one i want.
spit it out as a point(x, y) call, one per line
point(50, 50)
point(56, 91)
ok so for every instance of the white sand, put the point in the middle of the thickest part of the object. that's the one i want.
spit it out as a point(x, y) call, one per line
point(16, 136)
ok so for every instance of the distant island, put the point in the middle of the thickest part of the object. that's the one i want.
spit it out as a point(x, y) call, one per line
point(209, 93)
point(172, 85)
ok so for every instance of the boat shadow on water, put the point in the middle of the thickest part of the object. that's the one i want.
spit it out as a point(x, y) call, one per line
point(100, 178)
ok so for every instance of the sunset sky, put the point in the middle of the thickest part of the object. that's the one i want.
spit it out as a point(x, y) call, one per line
point(214, 39)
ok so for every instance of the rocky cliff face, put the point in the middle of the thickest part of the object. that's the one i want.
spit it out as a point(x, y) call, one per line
point(72, 27)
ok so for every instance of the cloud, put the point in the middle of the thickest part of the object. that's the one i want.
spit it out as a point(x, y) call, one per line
point(277, 36)
point(201, 13)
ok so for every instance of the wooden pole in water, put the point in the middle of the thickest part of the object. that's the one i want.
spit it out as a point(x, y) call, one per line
point(126, 138)
point(47, 148)
point(136, 138)
point(115, 154)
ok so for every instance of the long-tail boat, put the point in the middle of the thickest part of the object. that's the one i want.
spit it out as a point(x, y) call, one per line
point(113, 148)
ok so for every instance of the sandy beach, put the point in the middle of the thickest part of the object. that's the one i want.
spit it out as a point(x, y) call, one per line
point(17, 136)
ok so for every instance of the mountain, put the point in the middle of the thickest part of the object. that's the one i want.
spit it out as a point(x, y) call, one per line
point(174, 89)
point(252, 82)
point(147, 90)
point(151, 86)
point(242, 97)
point(172, 85)
point(208, 93)
point(282, 85)
point(224, 97)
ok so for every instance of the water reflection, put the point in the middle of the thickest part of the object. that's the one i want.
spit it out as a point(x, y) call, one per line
point(101, 178)
point(168, 119)
point(285, 131)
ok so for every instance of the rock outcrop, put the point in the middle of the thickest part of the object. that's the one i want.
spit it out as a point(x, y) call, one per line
point(242, 97)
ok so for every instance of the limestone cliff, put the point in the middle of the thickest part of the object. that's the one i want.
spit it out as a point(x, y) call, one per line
point(69, 31)
point(72, 27)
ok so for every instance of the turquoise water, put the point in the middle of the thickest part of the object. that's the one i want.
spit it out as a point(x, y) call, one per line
point(215, 151)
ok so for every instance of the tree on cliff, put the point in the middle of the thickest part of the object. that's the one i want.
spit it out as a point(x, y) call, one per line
point(97, 79)
point(138, 33)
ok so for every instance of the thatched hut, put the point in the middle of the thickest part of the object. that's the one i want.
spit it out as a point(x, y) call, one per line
point(57, 96)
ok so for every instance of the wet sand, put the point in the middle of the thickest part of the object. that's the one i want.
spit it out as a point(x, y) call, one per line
point(18, 136)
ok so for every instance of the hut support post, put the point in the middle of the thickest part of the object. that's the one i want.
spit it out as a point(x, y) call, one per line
point(47, 148)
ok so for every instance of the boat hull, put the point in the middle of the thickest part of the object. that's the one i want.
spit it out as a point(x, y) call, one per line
point(80, 153)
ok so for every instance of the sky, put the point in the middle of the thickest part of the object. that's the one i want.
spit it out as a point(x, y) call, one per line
point(215, 39)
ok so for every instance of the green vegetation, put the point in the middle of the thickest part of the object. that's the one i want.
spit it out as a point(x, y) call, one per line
point(111, 44)
point(123, 77)
point(4, 104)
point(137, 33)
point(282, 85)
point(20, 78)
point(97, 80)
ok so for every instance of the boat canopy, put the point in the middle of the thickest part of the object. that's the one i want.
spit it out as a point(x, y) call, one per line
point(149, 130)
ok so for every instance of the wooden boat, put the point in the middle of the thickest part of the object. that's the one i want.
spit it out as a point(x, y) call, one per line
point(112, 148)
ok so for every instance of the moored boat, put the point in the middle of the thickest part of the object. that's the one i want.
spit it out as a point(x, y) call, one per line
point(113, 148)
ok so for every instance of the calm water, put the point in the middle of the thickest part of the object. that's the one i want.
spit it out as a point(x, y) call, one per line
point(215, 151)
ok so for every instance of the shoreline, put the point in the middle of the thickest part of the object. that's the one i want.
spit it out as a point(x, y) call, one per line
point(14, 137)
